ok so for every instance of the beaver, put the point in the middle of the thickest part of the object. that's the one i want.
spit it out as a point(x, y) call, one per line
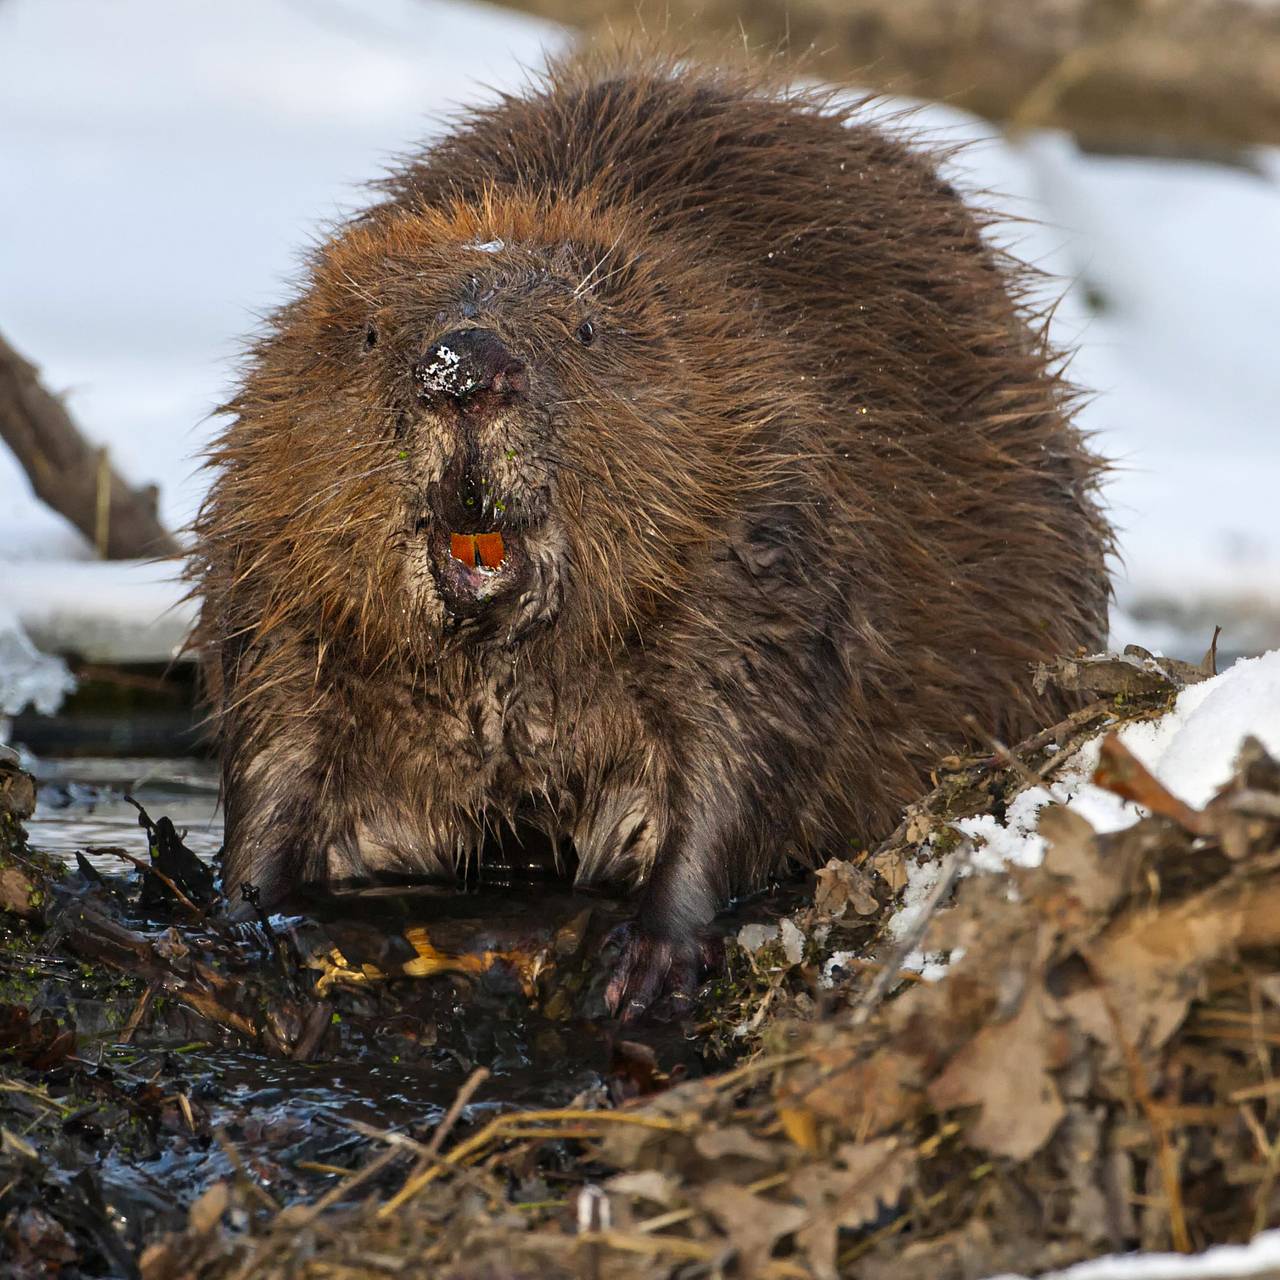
point(665, 463)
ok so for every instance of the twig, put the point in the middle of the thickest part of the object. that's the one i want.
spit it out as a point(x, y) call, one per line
point(1011, 760)
point(1166, 1157)
point(924, 807)
point(139, 1011)
point(658, 1246)
point(527, 1124)
point(456, 1108)
point(255, 1187)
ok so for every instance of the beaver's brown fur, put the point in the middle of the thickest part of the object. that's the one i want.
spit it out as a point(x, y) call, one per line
point(785, 476)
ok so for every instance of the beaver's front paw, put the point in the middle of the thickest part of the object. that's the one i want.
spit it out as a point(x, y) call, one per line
point(651, 970)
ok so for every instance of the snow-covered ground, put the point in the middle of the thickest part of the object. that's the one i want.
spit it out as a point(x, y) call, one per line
point(1260, 1258)
point(164, 163)
point(1192, 750)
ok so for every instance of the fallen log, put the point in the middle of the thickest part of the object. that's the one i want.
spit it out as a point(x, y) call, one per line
point(1188, 78)
point(72, 476)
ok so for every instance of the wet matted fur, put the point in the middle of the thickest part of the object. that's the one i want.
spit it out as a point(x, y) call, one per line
point(785, 473)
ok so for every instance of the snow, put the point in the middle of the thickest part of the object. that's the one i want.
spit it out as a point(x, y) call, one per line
point(1191, 750)
point(165, 165)
point(112, 611)
point(1260, 1257)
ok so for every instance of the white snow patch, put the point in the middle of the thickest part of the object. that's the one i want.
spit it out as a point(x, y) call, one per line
point(921, 879)
point(1260, 1257)
point(751, 937)
point(1192, 751)
point(100, 610)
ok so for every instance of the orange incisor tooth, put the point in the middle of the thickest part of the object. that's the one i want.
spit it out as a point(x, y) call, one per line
point(462, 546)
point(490, 549)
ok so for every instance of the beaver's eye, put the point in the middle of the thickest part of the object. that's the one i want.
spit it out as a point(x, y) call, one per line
point(586, 333)
point(370, 337)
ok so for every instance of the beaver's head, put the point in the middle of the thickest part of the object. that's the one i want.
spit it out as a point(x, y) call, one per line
point(502, 416)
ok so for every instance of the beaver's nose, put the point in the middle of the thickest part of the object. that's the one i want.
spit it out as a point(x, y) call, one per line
point(467, 361)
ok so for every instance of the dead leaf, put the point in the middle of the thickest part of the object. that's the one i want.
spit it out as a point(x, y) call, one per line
point(20, 895)
point(1004, 1070)
point(717, 1143)
point(1073, 855)
point(646, 1184)
point(17, 787)
point(864, 1180)
point(752, 1223)
point(841, 886)
point(801, 1126)
point(863, 1096)
point(207, 1209)
point(1152, 962)
point(891, 867)
point(1133, 673)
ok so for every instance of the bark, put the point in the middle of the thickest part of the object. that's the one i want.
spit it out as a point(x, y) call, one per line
point(70, 474)
point(1163, 77)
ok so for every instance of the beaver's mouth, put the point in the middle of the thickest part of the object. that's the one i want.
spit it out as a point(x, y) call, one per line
point(473, 568)
point(479, 550)
point(476, 534)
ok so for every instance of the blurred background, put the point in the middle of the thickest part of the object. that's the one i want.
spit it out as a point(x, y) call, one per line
point(162, 167)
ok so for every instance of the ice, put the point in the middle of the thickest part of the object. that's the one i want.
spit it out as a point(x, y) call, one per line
point(102, 611)
point(27, 676)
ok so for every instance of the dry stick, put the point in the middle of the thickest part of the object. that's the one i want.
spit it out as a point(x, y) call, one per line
point(313, 1029)
point(139, 1011)
point(524, 1124)
point(1270, 1152)
point(921, 808)
point(674, 1217)
point(264, 1197)
point(1001, 752)
point(456, 1108)
point(900, 1223)
point(1167, 1159)
point(1076, 720)
point(657, 1246)
point(67, 473)
point(293, 1218)
point(399, 1142)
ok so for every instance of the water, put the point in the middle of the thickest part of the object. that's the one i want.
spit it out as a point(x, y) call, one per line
point(81, 806)
point(157, 1101)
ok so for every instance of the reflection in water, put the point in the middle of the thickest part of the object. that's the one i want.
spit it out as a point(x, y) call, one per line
point(80, 804)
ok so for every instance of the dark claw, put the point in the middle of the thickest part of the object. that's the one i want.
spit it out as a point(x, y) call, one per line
point(651, 969)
